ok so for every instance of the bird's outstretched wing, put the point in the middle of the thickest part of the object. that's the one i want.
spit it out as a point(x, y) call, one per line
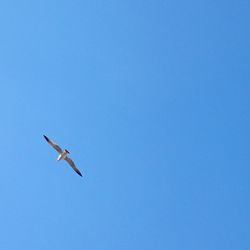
point(72, 164)
point(55, 146)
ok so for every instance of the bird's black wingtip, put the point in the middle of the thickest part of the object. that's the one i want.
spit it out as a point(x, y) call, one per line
point(79, 173)
point(46, 138)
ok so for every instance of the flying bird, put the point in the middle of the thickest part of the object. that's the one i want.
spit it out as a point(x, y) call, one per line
point(63, 155)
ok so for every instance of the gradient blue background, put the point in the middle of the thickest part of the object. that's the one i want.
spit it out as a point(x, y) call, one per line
point(152, 100)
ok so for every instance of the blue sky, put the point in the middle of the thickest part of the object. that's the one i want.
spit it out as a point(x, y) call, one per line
point(152, 100)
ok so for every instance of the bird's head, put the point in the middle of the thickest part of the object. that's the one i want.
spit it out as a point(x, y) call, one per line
point(67, 151)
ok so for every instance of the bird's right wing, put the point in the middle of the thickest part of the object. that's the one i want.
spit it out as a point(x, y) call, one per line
point(55, 146)
point(72, 164)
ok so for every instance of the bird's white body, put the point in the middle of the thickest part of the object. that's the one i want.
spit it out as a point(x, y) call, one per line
point(62, 156)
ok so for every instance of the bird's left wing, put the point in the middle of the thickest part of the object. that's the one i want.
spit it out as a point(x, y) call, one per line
point(55, 146)
point(72, 164)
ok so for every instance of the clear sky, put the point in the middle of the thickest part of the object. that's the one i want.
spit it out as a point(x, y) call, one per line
point(152, 100)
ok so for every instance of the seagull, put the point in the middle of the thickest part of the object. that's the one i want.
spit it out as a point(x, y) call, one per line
point(63, 155)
